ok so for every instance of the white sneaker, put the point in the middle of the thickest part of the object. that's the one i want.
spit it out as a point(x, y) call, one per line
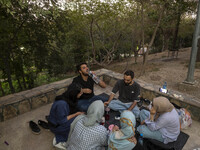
point(61, 146)
point(54, 141)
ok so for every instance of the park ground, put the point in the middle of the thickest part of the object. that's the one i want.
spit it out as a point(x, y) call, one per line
point(15, 133)
point(161, 68)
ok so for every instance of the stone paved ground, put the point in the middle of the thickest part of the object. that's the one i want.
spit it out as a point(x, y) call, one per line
point(18, 135)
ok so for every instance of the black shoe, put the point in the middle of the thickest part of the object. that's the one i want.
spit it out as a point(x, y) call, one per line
point(139, 104)
point(34, 127)
point(43, 124)
point(147, 101)
point(47, 118)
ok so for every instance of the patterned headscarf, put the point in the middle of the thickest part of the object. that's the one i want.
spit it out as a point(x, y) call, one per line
point(121, 139)
point(95, 113)
point(162, 105)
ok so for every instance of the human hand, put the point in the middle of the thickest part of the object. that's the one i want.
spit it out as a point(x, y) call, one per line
point(80, 93)
point(152, 111)
point(152, 117)
point(80, 113)
point(106, 103)
point(143, 122)
point(87, 90)
point(115, 128)
point(134, 140)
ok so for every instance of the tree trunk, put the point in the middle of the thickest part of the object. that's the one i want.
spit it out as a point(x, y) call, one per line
point(1, 89)
point(19, 83)
point(136, 46)
point(92, 38)
point(23, 78)
point(198, 51)
point(163, 42)
point(8, 72)
point(143, 31)
point(174, 44)
point(151, 42)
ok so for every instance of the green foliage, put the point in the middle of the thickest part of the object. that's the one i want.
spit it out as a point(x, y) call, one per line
point(40, 41)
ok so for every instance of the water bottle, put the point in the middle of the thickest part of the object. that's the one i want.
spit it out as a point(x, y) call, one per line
point(107, 115)
point(140, 139)
point(165, 85)
point(102, 121)
point(94, 77)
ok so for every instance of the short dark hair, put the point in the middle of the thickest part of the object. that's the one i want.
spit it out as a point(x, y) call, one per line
point(78, 67)
point(129, 73)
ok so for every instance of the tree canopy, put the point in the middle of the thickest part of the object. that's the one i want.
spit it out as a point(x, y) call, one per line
point(51, 36)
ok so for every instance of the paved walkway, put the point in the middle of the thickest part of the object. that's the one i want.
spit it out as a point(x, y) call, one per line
point(17, 134)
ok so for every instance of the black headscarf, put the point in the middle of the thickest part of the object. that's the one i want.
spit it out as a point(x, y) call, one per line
point(70, 96)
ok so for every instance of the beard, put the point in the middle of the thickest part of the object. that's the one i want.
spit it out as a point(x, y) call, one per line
point(127, 84)
point(85, 74)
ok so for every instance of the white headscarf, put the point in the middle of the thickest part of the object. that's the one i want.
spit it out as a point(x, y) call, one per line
point(94, 115)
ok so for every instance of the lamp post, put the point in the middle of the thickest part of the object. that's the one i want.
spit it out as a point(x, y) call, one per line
point(191, 68)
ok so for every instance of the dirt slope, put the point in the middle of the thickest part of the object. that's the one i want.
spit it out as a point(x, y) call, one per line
point(161, 68)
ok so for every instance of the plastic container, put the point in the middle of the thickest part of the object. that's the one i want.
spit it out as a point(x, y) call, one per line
point(107, 115)
point(94, 77)
point(165, 85)
point(102, 121)
point(140, 139)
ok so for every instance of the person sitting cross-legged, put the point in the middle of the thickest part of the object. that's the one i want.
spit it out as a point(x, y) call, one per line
point(60, 116)
point(161, 122)
point(86, 95)
point(86, 133)
point(129, 90)
point(124, 138)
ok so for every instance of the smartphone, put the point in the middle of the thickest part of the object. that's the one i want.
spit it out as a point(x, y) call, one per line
point(163, 90)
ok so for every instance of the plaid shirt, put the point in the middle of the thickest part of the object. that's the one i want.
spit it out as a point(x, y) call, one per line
point(88, 138)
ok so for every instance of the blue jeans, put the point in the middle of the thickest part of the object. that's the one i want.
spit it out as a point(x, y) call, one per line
point(83, 104)
point(61, 132)
point(117, 105)
point(147, 133)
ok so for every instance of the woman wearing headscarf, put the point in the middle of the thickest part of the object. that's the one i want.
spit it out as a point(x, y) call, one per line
point(61, 116)
point(124, 138)
point(161, 122)
point(86, 133)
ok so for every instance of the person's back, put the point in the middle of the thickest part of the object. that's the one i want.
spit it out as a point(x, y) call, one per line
point(172, 126)
point(88, 138)
point(86, 133)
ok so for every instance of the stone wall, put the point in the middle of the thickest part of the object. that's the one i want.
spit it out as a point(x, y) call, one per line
point(150, 91)
point(19, 103)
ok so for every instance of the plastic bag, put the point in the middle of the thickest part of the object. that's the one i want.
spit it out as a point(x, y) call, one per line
point(185, 118)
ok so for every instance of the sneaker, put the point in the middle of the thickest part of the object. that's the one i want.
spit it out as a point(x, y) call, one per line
point(117, 117)
point(34, 127)
point(139, 103)
point(47, 118)
point(43, 124)
point(54, 141)
point(148, 102)
point(61, 146)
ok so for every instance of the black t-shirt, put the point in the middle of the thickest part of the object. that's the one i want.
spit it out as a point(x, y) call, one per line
point(127, 93)
point(85, 84)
